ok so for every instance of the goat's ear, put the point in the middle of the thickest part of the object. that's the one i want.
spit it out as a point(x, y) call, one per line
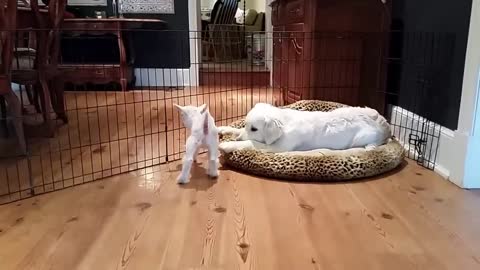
point(273, 129)
point(203, 108)
point(180, 108)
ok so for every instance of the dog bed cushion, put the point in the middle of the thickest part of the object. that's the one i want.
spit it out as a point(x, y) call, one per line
point(317, 165)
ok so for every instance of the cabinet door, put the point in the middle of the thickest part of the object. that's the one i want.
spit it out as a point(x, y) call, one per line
point(337, 70)
point(296, 64)
point(351, 65)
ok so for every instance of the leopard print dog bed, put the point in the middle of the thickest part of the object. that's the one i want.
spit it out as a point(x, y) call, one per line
point(318, 165)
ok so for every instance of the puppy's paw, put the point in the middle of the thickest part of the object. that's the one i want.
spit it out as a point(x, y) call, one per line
point(370, 147)
point(227, 147)
point(224, 130)
point(181, 179)
point(240, 137)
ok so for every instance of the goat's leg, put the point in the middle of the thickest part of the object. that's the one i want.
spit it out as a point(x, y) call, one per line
point(213, 159)
point(195, 155)
point(190, 147)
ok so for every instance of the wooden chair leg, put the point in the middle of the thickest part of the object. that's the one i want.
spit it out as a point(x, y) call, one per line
point(58, 86)
point(16, 112)
point(21, 97)
point(46, 105)
point(215, 56)
point(28, 91)
point(33, 97)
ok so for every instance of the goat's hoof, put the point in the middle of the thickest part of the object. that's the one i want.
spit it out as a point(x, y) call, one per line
point(182, 180)
point(213, 175)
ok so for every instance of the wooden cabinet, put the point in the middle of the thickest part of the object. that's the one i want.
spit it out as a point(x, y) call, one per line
point(331, 50)
point(296, 63)
point(290, 61)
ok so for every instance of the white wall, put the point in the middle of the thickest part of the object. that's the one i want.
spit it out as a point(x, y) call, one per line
point(84, 2)
point(206, 3)
point(258, 5)
point(465, 156)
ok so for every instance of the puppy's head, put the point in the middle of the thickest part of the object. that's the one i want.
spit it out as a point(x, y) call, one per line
point(262, 125)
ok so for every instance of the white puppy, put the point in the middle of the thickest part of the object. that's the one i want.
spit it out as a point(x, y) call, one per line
point(203, 133)
point(275, 129)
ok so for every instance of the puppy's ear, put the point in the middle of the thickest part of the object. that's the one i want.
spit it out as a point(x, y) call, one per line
point(273, 129)
point(203, 108)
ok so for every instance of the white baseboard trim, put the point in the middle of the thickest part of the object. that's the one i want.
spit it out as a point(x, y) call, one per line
point(439, 168)
point(442, 171)
point(406, 121)
point(165, 77)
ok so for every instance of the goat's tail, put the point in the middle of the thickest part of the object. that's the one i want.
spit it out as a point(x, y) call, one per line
point(206, 127)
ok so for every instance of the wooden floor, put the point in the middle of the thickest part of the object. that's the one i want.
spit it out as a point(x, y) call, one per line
point(114, 132)
point(410, 219)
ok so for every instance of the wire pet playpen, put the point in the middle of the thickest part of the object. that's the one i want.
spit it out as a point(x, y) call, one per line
point(110, 131)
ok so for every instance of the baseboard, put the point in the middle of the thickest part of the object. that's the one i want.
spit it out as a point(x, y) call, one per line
point(166, 77)
point(404, 121)
point(438, 168)
point(442, 171)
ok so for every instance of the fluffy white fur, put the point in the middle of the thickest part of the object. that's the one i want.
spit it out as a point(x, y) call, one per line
point(203, 133)
point(275, 129)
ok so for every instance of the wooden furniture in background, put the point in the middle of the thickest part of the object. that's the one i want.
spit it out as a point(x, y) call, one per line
point(40, 56)
point(37, 61)
point(8, 23)
point(79, 73)
point(221, 36)
point(331, 50)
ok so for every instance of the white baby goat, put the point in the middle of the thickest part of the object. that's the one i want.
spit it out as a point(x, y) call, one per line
point(203, 133)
